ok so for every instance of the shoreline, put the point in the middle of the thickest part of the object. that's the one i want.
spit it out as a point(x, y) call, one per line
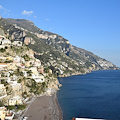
point(58, 106)
point(45, 108)
point(75, 74)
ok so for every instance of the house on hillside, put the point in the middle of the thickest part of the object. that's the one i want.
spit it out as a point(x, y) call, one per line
point(12, 66)
point(3, 65)
point(3, 111)
point(28, 63)
point(16, 100)
point(2, 46)
point(41, 70)
point(7, 74)
point(17, 88)
point(37, 63)
point(38, 78)
point(2, 37)
point(5, 114)
point(25, 73)
point(9, 58)
point(8, 79)
point(34, 70)
point(5, 42)
point(2, 58)
point(17, 43)
point(2, 91)
point(17, 59)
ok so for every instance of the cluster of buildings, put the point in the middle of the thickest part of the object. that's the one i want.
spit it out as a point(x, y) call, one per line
point(10, 72)
point(4, 41)
point(105, 64)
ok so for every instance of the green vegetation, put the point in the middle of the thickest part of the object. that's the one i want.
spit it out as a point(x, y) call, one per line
point(8, 61)
point(10, 107)
point(17, 107)
point(1, 104)
point(9, 90)
point(36, 88)
point(19, 81)
point(25, 95)
point(29, 72)
point(46, 70)
point(4, 82)
point(26, 57)
point(88, 64)
point(17, 50)
point(2, 50)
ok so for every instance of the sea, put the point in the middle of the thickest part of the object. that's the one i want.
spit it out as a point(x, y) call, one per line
point(95, 95)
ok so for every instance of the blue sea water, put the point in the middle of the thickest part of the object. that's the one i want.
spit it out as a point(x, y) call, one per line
point(94, 95)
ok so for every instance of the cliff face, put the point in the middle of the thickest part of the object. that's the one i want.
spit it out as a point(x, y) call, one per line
point(53, 50)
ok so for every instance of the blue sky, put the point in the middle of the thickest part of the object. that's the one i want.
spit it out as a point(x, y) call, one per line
point(93, 25)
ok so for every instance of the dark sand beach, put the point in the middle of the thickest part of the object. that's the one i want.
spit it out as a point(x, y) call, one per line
point(44, 108)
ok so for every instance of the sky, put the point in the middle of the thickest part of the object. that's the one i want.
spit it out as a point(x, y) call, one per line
point(93, 25)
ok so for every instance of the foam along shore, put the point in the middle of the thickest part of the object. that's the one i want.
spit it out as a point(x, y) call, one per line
point(44, 108)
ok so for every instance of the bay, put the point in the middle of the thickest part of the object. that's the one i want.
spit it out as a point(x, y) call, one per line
point(94, 95)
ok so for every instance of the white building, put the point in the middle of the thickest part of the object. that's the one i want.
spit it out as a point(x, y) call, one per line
point(15, 84)
point(2, 65)
point(14, 77)
point(37, 63)
point(25, 73)
point(2, 113)
point(5, 42)
point(38, 78)
point(2, 91)
point(9, 116)
point(17, 59)
point(7, 74)
point(2, 46)
point(8, 79)
point(16, 87)
point(17, 43)
point(5, 115)
point(16, 100)
point(34, 70)
point(2, 37)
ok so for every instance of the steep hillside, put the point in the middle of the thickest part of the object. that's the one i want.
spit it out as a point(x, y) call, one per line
point(53, 50)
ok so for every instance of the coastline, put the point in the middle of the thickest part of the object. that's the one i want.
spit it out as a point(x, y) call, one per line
point(44, 108)
point(59, 107)
point(74, 74)
point(79, 73)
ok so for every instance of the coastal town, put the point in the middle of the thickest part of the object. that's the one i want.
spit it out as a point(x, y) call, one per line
point(22, 78)
point(32, 61)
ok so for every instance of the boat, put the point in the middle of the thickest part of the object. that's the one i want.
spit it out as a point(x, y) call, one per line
point(85, 119)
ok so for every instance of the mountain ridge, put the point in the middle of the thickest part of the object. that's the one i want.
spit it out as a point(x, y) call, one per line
point(55, 51)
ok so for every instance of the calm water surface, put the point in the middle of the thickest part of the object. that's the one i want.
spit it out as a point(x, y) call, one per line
point(94, 95)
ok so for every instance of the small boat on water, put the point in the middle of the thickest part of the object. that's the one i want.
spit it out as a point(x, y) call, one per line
point(85, 119)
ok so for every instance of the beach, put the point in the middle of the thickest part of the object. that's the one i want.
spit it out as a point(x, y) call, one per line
point(44, 108)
